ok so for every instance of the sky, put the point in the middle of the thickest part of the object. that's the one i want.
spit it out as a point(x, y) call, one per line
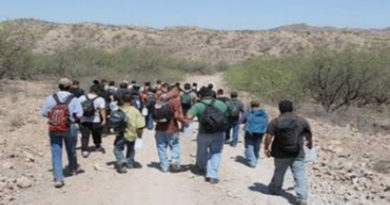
point(214, 14)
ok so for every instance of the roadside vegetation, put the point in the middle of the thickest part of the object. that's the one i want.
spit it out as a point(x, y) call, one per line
point(333, 79)
point(18, 61)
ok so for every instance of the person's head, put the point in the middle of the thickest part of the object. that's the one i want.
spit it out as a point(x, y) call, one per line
point(158, 82)
point(178, 85)
point(187, 86)
point(210, 86)
point(255, 104)
point(127, 98)
point(234, 95)
point(195, 85)
point(76, 84)
point(94, 89)
point(96, 82)
point(147, 84)
point(173, 91)
point(205, 92)
point(111, 83)
point(133, 82)
point(123, 85)
point(103, 82)
point(64, 84)
point(220, 92)
point(285, 106)
point(165, 87)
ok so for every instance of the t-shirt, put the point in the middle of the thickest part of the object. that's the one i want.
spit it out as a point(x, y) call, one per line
point(173, 125)
point(303, 131)
point(198, 109)
point(136, 121)
point(99, 104)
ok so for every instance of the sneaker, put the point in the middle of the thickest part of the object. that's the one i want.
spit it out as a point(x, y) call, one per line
point(122, 169)
point(301, 202)
point(176, 166)
point(75, 172)
point(212, 180)
point(59, 184)
point(85, 154)
point(100, 149)
point(130, 165)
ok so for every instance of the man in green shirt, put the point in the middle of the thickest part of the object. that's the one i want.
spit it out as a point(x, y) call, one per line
point(134, 129)
point(209, 144)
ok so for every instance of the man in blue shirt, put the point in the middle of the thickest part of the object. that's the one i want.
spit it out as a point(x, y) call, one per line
point(70, 137)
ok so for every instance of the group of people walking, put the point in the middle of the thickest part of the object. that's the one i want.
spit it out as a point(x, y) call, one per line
point(169, 110)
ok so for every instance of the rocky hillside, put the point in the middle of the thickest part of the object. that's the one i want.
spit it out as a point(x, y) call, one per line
point(199, 44)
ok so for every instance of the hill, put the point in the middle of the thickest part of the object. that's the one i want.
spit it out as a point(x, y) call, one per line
point(199, 44)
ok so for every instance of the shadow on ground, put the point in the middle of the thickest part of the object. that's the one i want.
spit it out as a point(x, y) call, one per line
point(259, 187)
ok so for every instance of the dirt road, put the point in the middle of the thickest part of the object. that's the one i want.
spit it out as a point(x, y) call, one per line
point(101, 184)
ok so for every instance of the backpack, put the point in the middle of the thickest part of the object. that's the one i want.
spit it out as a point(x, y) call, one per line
point(256, 122)
point(213, 120)
point(89, 106)
point(162, 112)
point(185, 100)
point(59, 115)
point(233, 110)
point(117, 120)
point(287, 136)
point(150, 100)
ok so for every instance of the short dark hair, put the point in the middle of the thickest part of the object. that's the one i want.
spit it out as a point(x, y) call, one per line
point(285, 106)
point(147, 83)
point(96, 82)
point(158, 81)
point(187, 86)
point(94, 88)
point(220, 92)
point(123, 85)
point(76, 82)
point(205, 92)
point(195, 84)
point(63, 88)
point(111, 83)
point(127, 98)
point(255, 104)
point(234, 95)
point(133, 82)
point(210, 86)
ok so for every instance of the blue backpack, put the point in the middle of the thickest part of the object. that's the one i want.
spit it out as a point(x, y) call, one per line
point(256, 122)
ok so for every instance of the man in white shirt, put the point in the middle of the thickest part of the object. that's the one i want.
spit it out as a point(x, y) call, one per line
point(92, 123)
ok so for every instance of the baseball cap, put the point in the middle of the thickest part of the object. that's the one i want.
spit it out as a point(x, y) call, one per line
point(65, 82)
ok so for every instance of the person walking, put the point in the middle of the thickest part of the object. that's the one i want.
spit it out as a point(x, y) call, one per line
point(187, 98)
point(63, 111)
point(287, 134)
point(212, 117)
point(256, 121)
point(236, 109)
point(94, 119)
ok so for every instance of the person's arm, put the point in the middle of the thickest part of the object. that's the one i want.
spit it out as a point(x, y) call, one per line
point(140, 124)
point(244, 117)
point(308, 135)
point(46, 108)
point(267, 144)
point(140, 132)
point(102, 110)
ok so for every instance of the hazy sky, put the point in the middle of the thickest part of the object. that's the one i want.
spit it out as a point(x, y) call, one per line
point(218, 14)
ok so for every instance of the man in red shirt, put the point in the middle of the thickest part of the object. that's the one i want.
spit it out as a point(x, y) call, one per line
point(167, 133)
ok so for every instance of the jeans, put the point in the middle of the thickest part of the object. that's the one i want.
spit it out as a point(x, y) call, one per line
point(208, 153)
point(149, 121)
point(297, 166)
point(56, 141)
point(236, 131)
point(163, 141)
point(119, 146)
point(252, 147)
point(86, 129)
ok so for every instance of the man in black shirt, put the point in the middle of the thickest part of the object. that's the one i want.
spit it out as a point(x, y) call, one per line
point(288, 132)
point(76, 90)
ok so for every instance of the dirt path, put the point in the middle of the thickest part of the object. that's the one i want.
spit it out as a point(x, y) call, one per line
point(100, 184)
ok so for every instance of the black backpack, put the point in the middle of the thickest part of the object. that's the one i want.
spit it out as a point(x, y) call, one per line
point(287, 136)
point(213, 120)
point(117, 120)
point(88, 106)
point(233, 110)
point(150, 100)
point(162, 112)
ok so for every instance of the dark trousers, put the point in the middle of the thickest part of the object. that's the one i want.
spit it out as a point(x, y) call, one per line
point(86, 130)
point(119, 146)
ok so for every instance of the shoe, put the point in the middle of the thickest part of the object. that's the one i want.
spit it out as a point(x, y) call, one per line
point(252, 166)
point(75, 172)
point(176, 167)
point(59, 184)
point(233, 145)
point(227, 141)
point(100, 149)
point(212, 180)
point(130, 165)
point(301, 202)
point(85, 154)
point(122, 169)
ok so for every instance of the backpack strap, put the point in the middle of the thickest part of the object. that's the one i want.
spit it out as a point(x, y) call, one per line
point(86, 97)
point(69, 99)
point(56, 99)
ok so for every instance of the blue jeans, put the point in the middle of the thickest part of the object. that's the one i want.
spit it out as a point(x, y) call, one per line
point(297, 166)
point(208, 153)
point(149, 121)
point(56, 141)
point(119, 146)
point(236, 131)
point(163, 141)
point(252, 147)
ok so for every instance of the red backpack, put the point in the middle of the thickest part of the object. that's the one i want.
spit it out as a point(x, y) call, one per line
point(59, 115)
